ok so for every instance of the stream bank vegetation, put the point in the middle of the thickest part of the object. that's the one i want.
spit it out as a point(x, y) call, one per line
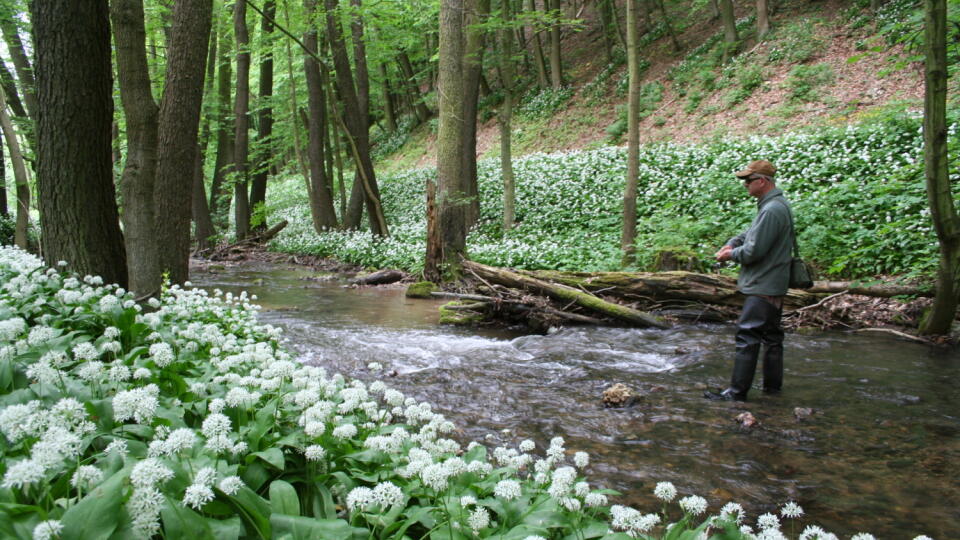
point(188, 418)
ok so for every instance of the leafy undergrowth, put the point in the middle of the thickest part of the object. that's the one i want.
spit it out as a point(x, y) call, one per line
point(188, 419)
point(858, 194)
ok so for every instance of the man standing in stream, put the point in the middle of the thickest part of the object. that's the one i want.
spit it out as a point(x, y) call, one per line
point(763, 252)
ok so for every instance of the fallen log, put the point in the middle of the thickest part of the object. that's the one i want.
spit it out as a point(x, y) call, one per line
point(220, 252)
point(517, 306)
point(878, 289)
point(380, 277)
point(564, 293)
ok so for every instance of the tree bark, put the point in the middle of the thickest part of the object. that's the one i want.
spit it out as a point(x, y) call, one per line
point(139, 171)
point(241, 109)
point(77, 201)
point(19, 175)
point(763, 19)
point(565, 293)
point(730, 37)
point(10, 88)
point(943, 213)
point(178, 127)
point(607, 29)
point(389, 114)
point(264, 154)
point(629, 232)
point(321, 198)
point(556, 65)
point(354, 122)
point(219, 191)
point(21, 63)
point(475, 14)
point(413, 88)
point(666, 21)
point(4, 209)
point(446, 227)
point(203, 223)
point(295, 107)
point(506, 115)
point(538, 56)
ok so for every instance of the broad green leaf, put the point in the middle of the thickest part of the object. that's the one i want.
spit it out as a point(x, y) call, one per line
point(98, 514)
point(180, 521)
point(283, 498)
point(273, 456)
point(303, 528)
point(254, 510)
point(227, 529)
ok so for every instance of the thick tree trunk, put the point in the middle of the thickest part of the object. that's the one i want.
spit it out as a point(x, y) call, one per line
point(389, 114)
point(139, 171)
point(241, 109)
point(447, 230)
point(476, 13)
point(629, 231)
point(321, 198)
point(730, 37)
point(763, 19)
point(258, 186)
point(219, 191)
point(21, 63)
point(360, 63)
point(943, 213)
point(506, 115)
point(355, 122)
point(564, 293)
point(178, 127)
point(607, 29)
point(203, 223)
point(556, 65)
point(77, 201)
point(19, 175)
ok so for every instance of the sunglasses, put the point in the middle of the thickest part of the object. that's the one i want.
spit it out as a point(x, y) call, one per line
point(748, 180)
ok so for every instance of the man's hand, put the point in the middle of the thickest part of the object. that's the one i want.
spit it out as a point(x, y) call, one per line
point(725, 254)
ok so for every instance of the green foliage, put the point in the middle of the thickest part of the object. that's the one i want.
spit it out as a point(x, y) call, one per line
point(651, 94)
point(8, 226)
point(803, 81)
point(843, 182)
point(544, 103)
point(795, 42)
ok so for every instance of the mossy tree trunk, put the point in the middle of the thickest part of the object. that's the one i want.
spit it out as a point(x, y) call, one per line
point(19, 175)
point(730, 37)
point(763, 19)
point(556, 61)
point(506, 115)
point(219, 191)
point(474, 44)
point(629, 231)
point(318, 186)
point(946, 222)
point(264, 153)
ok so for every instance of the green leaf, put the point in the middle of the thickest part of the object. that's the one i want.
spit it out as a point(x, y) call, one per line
point(182, 522)
point(273, 456)
point(254, 510)
point(328, 508)
point(303, 528)
point(283, 498)
point(98, 514)
point(227, 529)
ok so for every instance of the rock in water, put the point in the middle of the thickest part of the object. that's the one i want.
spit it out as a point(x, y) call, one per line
point(802, 413)
point(619, 395)
point(747, 420)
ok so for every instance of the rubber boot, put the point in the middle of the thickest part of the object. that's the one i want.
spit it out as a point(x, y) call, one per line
point(750, 331)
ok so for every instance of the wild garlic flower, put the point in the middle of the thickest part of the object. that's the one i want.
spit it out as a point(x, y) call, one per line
point(375, 366)
point(768, 521)
point(111, 332)
point(631, 521)
point(479, 519)
point(360, 498)
point(595, 500)
point(146, 474)
point(92, 371)
point(45, 530)
point(144, 509)
point(85, 351)
point(863, 536)
point(141, 373)
point(507, 489)
point(198, 495)
point(694, 504)
point(314, 452)
point(813, 532)
point(732, 511)
point(118, 446)
point(388, 494)
point(215, 424)
point(162, 354)
point(205, 476)
point(534, 537)
point(22, 420)
point(665, 491)
point(86, 477)
point(581, 459)
point(346, 431)
point(231, 485)
point(22, 473)
point(527, 445)
point(556, 449)
point(44, 373)
point(791, 510)
point(119, 373)
point(770, 534)
point(434, 476)
point(139, 404)
point(581, 489)
point(467, 500)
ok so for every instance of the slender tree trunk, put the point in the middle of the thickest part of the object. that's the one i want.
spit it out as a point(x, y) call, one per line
point(139, 172)
point(714, 10)
point(556, 66)
point(730, 37)
point(10, 88)
point(219, 190)
point(763, 19)
point(295, 107)
point(506, 114)
point(354, 122)
point(360, 64)
point(475, 14)
point(629, 233)
point(21, 64)
point(241, 137)
point(4, 208)
point(264, 153)
point(538, 56)
point(389, 114)
point(413, 88)
point(666, 21)
point(177, 133)
point(446, 221)
point(203, 223)
point(943, 213)
point(605, 12)
point(77, 201)
point(19, 175)
point(321, 198)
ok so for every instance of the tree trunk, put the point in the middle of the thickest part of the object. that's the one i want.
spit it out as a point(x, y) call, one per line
point(943, 213)
point(241, 109)
point(258, 187)
point(203, 223)
point(629, 233)
point(10, 88)
point(177, 133)
point(446, 227)
point(475, 14)
point(506, 115)
point(139, 171)
point(4, 209)
point(714, 10)
point(321, 199)
point(21, 63)
point(77, 201)
point(730, 37)
point(607, 29)
point(388, 112)
point(360, 64)
point(413, 88)
point(556, 69)
point(219, 190)
point(19, 175)
point(538, 56)
point(354, 122)
point(295, 107)
point(763, 19)
point(666, 21)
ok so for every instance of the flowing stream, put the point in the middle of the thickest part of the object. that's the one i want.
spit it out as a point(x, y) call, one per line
point(879, 453)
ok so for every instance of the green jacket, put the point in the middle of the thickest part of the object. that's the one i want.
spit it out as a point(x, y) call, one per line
point(764, 250)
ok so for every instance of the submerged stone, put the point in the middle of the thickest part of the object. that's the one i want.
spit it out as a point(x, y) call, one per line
point(421, 289)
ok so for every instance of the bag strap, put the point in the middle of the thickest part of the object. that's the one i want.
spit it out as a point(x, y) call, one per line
point(796, 247)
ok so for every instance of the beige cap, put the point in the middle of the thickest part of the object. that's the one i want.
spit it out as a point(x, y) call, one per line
point(760, 166)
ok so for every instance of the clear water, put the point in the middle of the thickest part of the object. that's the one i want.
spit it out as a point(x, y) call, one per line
point(880, 453)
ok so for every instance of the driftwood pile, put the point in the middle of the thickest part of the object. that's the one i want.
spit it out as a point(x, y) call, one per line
point(542, 299)
point(240, 250)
